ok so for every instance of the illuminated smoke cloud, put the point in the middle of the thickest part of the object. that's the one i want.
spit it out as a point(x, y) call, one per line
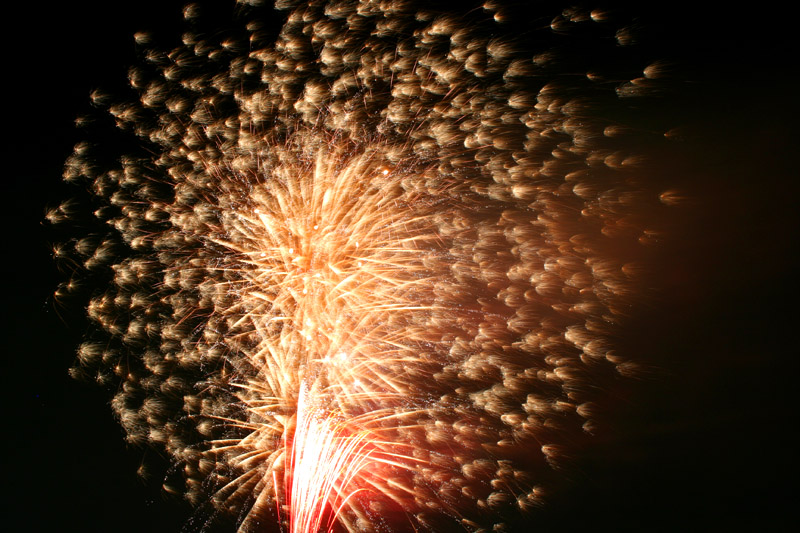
point(434, 224)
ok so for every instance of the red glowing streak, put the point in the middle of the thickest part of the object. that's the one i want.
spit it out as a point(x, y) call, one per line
point(325, 458)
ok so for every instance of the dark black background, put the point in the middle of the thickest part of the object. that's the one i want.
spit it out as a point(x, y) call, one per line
point(709, 445)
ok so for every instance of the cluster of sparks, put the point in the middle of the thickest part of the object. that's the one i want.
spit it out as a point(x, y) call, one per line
point(327, 460)
point(327, 258)
point(357, 270)
point(324, 462)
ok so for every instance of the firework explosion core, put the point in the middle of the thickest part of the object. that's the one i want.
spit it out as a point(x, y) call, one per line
point(372, 271)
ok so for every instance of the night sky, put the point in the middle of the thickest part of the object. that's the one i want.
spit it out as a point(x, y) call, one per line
point(705, 443)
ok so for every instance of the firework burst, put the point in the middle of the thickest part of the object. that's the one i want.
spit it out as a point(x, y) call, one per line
point(328, 260)
point(372, 270)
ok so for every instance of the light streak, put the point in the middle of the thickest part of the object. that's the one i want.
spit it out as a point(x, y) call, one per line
point(325, 461)
point(372, 272)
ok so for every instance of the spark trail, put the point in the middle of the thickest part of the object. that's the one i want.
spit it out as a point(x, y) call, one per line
point(357, 271)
